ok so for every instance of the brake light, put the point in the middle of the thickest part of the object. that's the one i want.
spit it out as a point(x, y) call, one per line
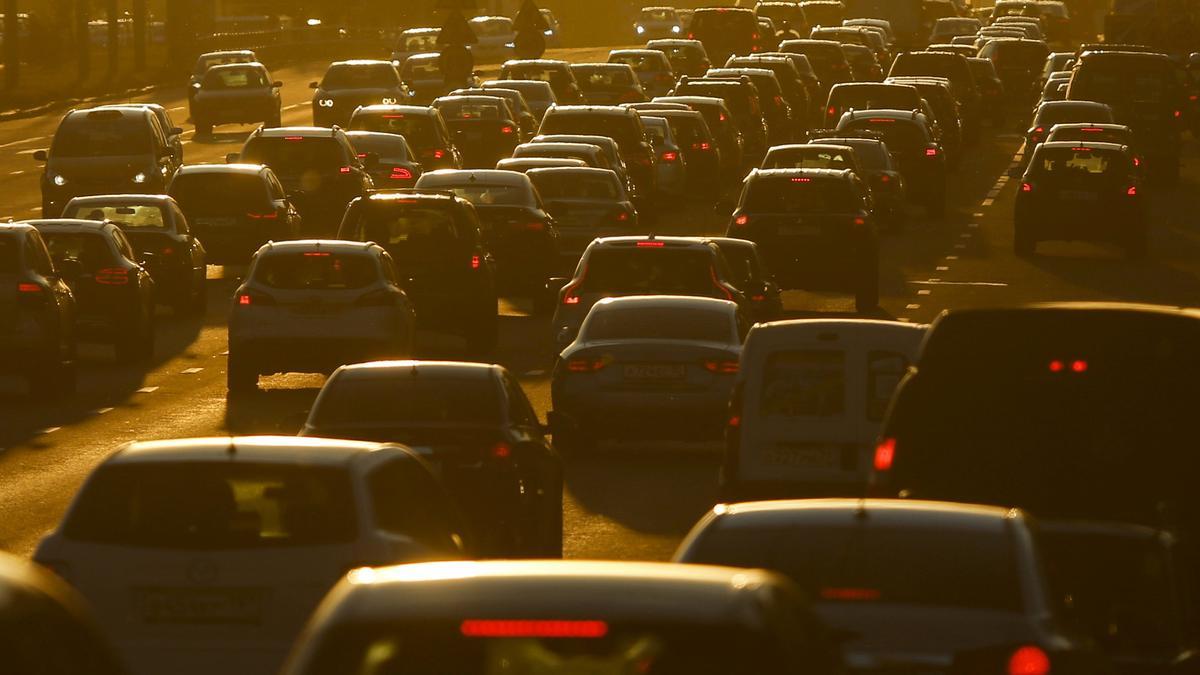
point(778, 100)
point(931, 152)
point(535, 226)
point(293, 138)
point(670, 156)
point(650, 244)
point(263, 216)
point(523, 628)
point(254, 299)
point(742, 220)
point(704, 146)
point(29, 288)
point(436, 153)
point(1178, 114)
point(501, 450)
point(345, 169)
point(801, 180)
point(885, 454)
point(860, 221)
point(622, 216)
point(506, 129)
point(400, 173)
point(831, 111)
point(112, 276)
point(393, 117)
point(1137, 161)
point(881, 120)
point(722, 117)
point(245, 299)
point(884, 178)
point(1055, 366)
point(851, 594)
point(1091, 130)
point(735, 421)
point(167, 250)
point(724, 367)
point(316, 254)
point(691, 36)
point(1132, 191)
point(1029, 660)
point(1026, 187)
point(586, 365)
point(476, 262)
point(1079, 366)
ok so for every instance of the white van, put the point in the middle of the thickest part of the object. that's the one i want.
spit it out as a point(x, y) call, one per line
point(807, 405)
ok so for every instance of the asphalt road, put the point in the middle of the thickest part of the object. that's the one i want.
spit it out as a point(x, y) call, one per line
point(627, 501)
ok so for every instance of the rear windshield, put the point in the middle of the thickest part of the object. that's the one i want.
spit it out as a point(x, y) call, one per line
point(658, 323)
point(296, 154)
point(235, 78)
point(194, 191)
point(482, 194)
point(209, 61)
point(1029, 55)
point(541, 150)
point(102, 135)
point(644, 63)
point(493, 27)
point(388, 147)
point(422, 69)
point(418, 130)
point(876, 97)
point(409, 232)
point(603, 78)
point(723, 23)
point(407, 400)
point(1048, 116)
point(10, 258)
point(900, 136)
point(867, 564)
point(689, 131)
point(1111, 80)
point(1066, 162)
point(800, 195)
point(649, 271)
point(419, 43)
point(214, 506)
point(737, 97)
point(659, 14)
point(136, 217)
point(91, 249)
point(870, 156)
point(807, 159)
point(531, 92)
point(1095, 135)
point(315, 270)
point(376, 75)
point(555, 75)
point(472, 110)
point(573, 185)
point(933, 65)
point(621, 128)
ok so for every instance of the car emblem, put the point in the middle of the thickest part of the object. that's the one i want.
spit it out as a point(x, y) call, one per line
point(202, 572)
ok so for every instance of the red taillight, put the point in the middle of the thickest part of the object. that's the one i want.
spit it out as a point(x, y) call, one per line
point(885, 178)
point(393, 117)
point(436, 153)
point(742, 220)
point(885, 454)
point(400, 173)
point(931, 152)
point(263, 216)
point(860, 221)
point(586, 365)
point(1137, 161)
point(167, 250)
point(623, 216)
point(778, 100)
point(293, 138)
point(670, 156)
point(1055, 366)
point(850, 594)
point(506, 129)
point(245, 299)
point(704, 146)
point(1091, 130)
point(801, 180)
point(1132, 191)
point(691, 36)
point(535, 226)
point(1178, 114)
point(501, 450)
point(1079, 366)
point(734, 422)
point(724, 367)
point(29, 288)
point(1026, 187)
point(523, 628)
point(112, 276)
point(650, 244)
point(1029, 660)
point(569, 296)
point(831, 111)
point(254, 299)
point(476, 262)
point(345, 169)
point(316, 254)
point(722, 117)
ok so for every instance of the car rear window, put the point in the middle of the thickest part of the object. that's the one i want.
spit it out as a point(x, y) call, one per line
point(418, 130)
point(736, 95)
point(644, 63)
point(658, 14)
point(649, 271)
point(807, 158)
point(210, 61)
point(235, 78)
point(800, 195)
point(409, 232)
point(295, 154)
point(603, 78)
point(865, 563)
point(346, 76)
point(419, 43)
point(573, 185)
point(876, 97)
point(804, 383)
point(10, 258)
point(1009, 54)
point(408, 400)
point(555, 75)
point(901, 136)
point(531, 92)
point(723, 21)
point(137, 216)
point(1115, 81)
point(492, 27)
point(482, 194)
point(388, 147)
point(658, 323)
point(194, 191)
point(1050, 115)
point(421, 69)
point(623, 129)
point(102, 134)
point(213, 506)
point(319, 270)
point(91, 249)
point(1066, 162)
point(471, 110)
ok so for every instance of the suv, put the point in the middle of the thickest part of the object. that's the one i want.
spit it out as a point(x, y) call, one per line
point(687, 57)
point(622, 125)
point(869, 96)
point(239, 92)
point(347, 85)
point(37, 335)
point(443, 255)
point(742, 98)
point(105, 150)
point(726, 31)
point(783, 122)
point(319, 169)
point(827, 59)
point(1019, 63)
point(953, 67)
point(919, 157)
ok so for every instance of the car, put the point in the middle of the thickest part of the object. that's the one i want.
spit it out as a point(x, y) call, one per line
point(242, 536)
point(869, 96)
point(824, 12)
point(1056, 87)
point(651, 66)
point(443, 255)
point(588, 153)
point(816, 228)
point(526, 122)
point(496, 35)
point(948, 27)
point(943, 109)
point(1018, 62)
point(687, 57)
point(697, 146)
point(254, 209)
point(629, 352)
point(806, 407)
point(608, 83)
point(793, 87)
point(864, 65)
point(311, 305)
point(827, 60)
point(162, 239)
point(1057, 61)
point(395, 164)
point(474, 425)
point(38, 341)
point(586, 203)
point(1075, 190)
point(1091, 133)
point(240, 92)
point(209, 59)
point(524, 164)
point(422, 75)
point(968, 51)
point(476, 615)
point(888, 190)
point(854, 35)
point(1056, 18)
point(318, 168)
point(781, 120)
point(910, 582)
point(741, 96)
point(812, 156)
point(1049, 113)
point(524, 236)
point(953, 67)
point(347, 85)
point(422, 127)
point(553, 32)
point(622, 125)
point(749, 274)
point(612, 159)
point(174, 133)
point(484, 128)
point(918, 156)
point(539, 95)
point(105, 151)
point(640, 265)
point(991, 88)
point(726, 31)
point(729, 141)
point(554, 72)
point(657, 23)
point(414, 41)
point(114, 294)
point(672, 163)
point(789, 13)
point(812, 84)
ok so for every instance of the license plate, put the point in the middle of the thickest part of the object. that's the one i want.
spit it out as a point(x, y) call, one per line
point(655, 372)
point(223, 221)
point(1078, 195)
point(809, 457)
point(200, 605)
point(799, 230)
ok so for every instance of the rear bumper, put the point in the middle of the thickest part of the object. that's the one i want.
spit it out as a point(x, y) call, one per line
point(643, 414)
point(314, 355)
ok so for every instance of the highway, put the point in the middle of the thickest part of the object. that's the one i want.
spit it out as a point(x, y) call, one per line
point(625, 501)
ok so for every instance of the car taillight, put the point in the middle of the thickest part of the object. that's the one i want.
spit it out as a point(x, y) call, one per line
point(500, 450)
point(345, 169)
point(723, 367)
point(1026, 187)
point(649, 244)
point(569, 296)
point(506, 129)
point(850, 594)
point(30, 289)
point(535, 226)
point(830, 111)
point(931, 152)
point(885, 454)
point(691, 36)
point(400, 173)
point(1178, 114)
point(1029, 660)
point(1132, 191)
point(859, 221)
point(476, 262)
point(508, 628)
point(434, 153)
point(586, 365)
point(741, 221)
point(884, 178)
point(702, 146)
point(112, 276)
point(622, 216)
point(167, 250)
point(734, 421)
point(250, 298)
point(31, 294)
point(778, 100)
point(670, 156)
point(262, 216)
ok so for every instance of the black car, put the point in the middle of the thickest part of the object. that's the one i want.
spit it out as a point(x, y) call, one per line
point(782, 121)
point(37, 335)
point(620, 124)
point(348, 85)
point(484, 128)
point(687, 57)
point(1019, 63)
point(876, 167)
point(556, 73)
point(173, 132)
point(423, 76)
point(816, 228)
point(443, 254)
point(869, 96)
point(741, 96)
point(794, 88)
point(396, 165)
point(991, 88)
point(241, 93)
point(253, 209)
point(586, 203)
point(114, 294)
point(209, 59)
point(105, 151)
point(612, 154)
point(918, 155)
point(943, 109)
point(161, 238)
point(730, 143)
point(423, 127)
point(699, 147)
point(609, 83)
point(827, 59)
point(749, 273)
point(1080, 191)
point(319, 169)
point(727, 31)
point(955, 68)
point(538, 94)
point(527, 123)
point(475, 426)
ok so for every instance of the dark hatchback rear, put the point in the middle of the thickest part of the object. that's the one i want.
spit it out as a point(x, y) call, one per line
point(483, 128)
point(726, 31)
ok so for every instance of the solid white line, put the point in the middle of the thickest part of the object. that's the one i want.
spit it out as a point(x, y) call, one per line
point(904, 319)
point(190, 371)
point(939, 282)
point(23, 140)
point(147, 390)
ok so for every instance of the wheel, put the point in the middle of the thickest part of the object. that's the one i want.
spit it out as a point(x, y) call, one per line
point(866, 298)
point(1024, 245)
point(240, 377)
point(138, 345)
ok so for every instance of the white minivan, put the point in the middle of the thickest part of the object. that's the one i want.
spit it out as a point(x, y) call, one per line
point(807, 405)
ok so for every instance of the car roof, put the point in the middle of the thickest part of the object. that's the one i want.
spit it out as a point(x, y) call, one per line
point(510, 82)
point(236, 66)
point(544, 162)
point(784, 333)
point(256, 449)
point(560, 145)
point(361, 62)
point(420, 31)
point(690, 100)
point(888, 113)
point(229, 52)
point(632, 240)
point(1106, 126)
point(800, 147)
point(459, 370)
point(307, 132)
point(410, 195)
point(587, 139)
point(635, 52)
point(140, 199)
point(614, 110)
point(868, 512)
point(1071, 104)
point(425, 56)
point(675, 301)
point(536, 62)
point(124, 111)
point(237, 168)
point(1067, 145)
point(309, 245)
point(573, 170)
point(831, 174)
point(676, 42)
point(65, 225)
point(398, 109)
point(489, 176)
point(19, 227)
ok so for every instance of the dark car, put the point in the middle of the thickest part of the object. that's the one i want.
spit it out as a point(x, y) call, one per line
point(816, 228)
point(699, 147)
point(114, 294)
point(484, 128)
point(687, 57)
point(538, 94)
point(349, 85)
point(612, 155)
point(586, 203)
point(652, 67)
point(741, 96)
point(863, 63)
point(622, 125)
point(161, 238)
point(793, 87)
point(173, 132)
point(424, 128)
point(37, 334)
point(918, 585)
point(726, 31)
point(422, 75)
point(557, 73)
point(1050, 113)
point(869, 96)
point(827, 59)
point(443, 254)
point(789, 13)
point(782, 121)
point(253, 209)
point(395, 164)
point(475, 426)
point(824, 12)
point(319, 169)
point(888, 190)
point(812, 156)
point(953, 67)
point(942, 104)
point(919, 157)
point(588, 153)
point(1080, 191)
point(209, 59)
point(749, 272)
point(719, 118)
point(241, 93)
point(105, 151)
point(527, 123)
point(1019, 65)
point(524, 237)
point(608, 83)
point(991, 88)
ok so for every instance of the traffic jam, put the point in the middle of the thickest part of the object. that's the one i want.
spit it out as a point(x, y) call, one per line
point(506, 355)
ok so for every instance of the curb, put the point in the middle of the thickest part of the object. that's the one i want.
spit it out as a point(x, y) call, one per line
point(24, 113)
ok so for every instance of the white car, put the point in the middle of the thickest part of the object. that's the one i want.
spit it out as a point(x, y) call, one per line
point(808, 402)
point(206, 555)
point(496, 35)
point(313, 305)
point(647, 367)
point(414, 41)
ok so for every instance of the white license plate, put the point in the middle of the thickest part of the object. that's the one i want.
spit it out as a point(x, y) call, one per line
point(216, 222)
point(655, 372)
point(1078, 195)
point(808, 457)
point(200, 605)
point(799, 230)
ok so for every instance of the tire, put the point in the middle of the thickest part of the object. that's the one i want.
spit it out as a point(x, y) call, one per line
point(1024, 245)
point(240, 377)
point(866, 298)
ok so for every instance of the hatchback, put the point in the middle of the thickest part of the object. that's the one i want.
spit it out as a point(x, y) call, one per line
point(586, 203)
point(422, 127)
point(348, 85)
point(484, 128)
point(241, 93)
point(394, 165)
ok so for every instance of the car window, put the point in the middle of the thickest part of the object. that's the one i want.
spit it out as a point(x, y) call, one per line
point(800, 195)
point(91, 249)
point(657, 323)
point(419, 130)
point(807, 158)
point(295, 154)
point(406, 500)
point(573, 185)
point(360, 76)
point(241, 191)
point(102, 134)
point(1068, 162)
point(472, 110)
point(214, 506)
point(404, 400)
point(422, 69)
point(37, 255)
point(321, 270)
point(623, 129)
point(412, 233)
point(520, 412)
point(884, 370)
point(135, 216)
point(236, 78)
point(804, 383)
point(481, 194)
point(649, 271)
point(10, 255)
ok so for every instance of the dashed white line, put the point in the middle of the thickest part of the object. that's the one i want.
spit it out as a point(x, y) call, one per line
point(977, 215)
point(965, 235)
point(292, 106)
point(943, 268)
point(15, 173)
point(535, 373)
point(972, 224)
point(23, 140)
point(904, 319)
point(987, 202)
point(102, 411)
point(48, 430)
point(924, 291)
point(960, 246)
point(177, 108)
point(190, 371)
point(939, 282)
point(912, 305)
point(147, 390)
point(951, 257)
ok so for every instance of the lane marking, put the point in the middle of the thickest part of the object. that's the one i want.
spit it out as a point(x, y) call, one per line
point(190, 371)
point(943, 268)
point(912, 305)
point(960, 246)
point(972, 224)
point(951, 257)
point(23, 140)
point(904, 319)
point(965, 235)
point(535, 373)
point(292, 106)
point(147, 390)
point(987, 202)
point(16, 173)
point(48, 430)
point(924, 291)
point(939, 282)
point(177, 108)
point(977, 215)
point(102, 411)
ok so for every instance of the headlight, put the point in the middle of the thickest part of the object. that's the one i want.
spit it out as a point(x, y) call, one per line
point(640, 29)
point(58, 180)
point(676, 29)
point(325, 102)
point(387, 100)
point(139, 177)
point(548, 32)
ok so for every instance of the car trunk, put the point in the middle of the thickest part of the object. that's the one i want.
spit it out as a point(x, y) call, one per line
point(649, 366)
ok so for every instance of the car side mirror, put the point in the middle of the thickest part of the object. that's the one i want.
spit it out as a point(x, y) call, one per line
point(313, 85)
point(277, 84)
point(69, 268)
point(41, 155)
point(175, 131)
point(233, 157)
